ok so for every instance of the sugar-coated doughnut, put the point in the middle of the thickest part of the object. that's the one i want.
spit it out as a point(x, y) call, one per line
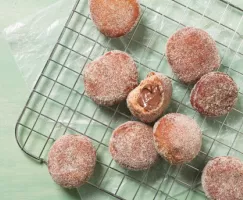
point(131, 146)
point(177, 138)
point(110, 78)
point(151, 98)
point(214, 95)
point(115, 18)
point(71, 160)
point(222, 179)
point(192, 53)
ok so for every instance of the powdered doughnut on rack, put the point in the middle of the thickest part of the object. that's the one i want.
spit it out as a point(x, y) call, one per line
point(215, 94)
point(222, 179)
point(192, 53)
point(109, 79)
point(115, 18)
point(131, 146)
point(177, 138)
point(71, 160)
point(150, 99)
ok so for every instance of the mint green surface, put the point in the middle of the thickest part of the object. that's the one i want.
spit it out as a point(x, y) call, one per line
point(21, 178)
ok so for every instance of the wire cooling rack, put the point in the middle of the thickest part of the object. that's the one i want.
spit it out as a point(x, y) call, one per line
point(58, 103)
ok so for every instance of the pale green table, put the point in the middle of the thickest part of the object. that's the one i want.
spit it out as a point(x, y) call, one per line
point(24, 179)
point(21, 178)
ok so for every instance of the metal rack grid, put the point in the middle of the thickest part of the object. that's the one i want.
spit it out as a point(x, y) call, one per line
point(58, 104)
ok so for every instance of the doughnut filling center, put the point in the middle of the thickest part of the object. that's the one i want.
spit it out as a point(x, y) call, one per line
point(150, 97)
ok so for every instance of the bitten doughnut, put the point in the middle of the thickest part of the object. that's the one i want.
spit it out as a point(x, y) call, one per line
point(177, 138)
point(131, 146)
point(110, 78)
point(149, 100)
point(71, 160)
point(215, 94)
point(115, 18)
point(192, 53)
point(222, 179)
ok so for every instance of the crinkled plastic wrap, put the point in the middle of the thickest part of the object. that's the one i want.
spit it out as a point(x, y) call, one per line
point(32, 39)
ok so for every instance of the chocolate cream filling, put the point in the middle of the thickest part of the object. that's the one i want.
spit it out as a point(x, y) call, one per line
point(150, 97)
